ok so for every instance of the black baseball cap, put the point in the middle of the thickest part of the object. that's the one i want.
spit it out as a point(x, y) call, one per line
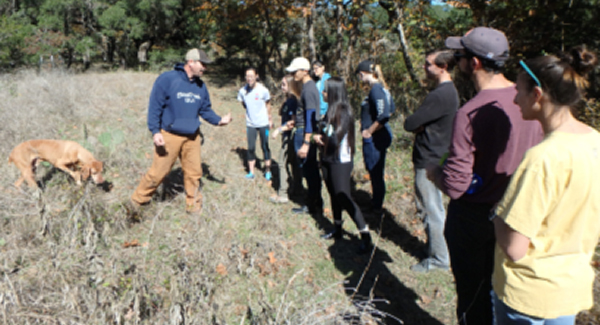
point(366, 66)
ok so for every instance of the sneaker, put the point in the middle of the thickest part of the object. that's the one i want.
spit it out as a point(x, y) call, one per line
point(300, 210)
point(279, 199)
point(366, 243)
point(427, 265)
point(249, 176)
point(268, 176)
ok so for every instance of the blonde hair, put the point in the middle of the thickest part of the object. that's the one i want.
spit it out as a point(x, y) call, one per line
point(294, 87)
point(377, 74)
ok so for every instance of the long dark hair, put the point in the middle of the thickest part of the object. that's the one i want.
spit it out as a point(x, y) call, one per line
point(339, 113)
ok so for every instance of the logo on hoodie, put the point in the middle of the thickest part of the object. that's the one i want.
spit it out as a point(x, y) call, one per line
point(189, 97)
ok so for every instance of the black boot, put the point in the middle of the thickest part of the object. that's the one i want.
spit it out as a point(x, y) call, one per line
point(366, 244)
point(336, 233)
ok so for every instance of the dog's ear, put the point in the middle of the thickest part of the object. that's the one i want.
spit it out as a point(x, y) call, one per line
point(97, 166)
point(85, 172)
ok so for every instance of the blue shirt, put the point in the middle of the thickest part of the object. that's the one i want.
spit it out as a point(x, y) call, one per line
point(320, 88)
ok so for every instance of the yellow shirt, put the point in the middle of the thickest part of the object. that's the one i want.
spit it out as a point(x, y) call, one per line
point(554, 200)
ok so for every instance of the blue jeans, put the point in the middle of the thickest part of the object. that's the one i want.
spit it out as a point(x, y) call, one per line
point(374, 152)
point(429, 199)
point(504, 315)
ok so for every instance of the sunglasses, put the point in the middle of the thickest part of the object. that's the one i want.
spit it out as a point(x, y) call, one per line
point(458, 55)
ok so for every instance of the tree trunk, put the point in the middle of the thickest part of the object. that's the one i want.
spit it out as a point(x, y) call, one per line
point(394, 11)
point(405, 52)
point(339, 38)
point(311, 31)
point(351, 42)
point(275, 43)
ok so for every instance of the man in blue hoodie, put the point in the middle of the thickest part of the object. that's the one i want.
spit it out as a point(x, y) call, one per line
point(178, 97)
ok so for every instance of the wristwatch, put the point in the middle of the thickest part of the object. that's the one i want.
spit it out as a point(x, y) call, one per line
point(306, 142)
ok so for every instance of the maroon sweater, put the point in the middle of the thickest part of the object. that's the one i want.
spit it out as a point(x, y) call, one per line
point(489, 138)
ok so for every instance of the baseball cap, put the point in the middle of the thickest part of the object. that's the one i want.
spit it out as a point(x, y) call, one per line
point(299, 63)
point(366, 66)
point(484, 42)
point(197, 55)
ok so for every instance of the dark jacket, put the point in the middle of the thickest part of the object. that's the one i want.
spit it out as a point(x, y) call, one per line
point(378, 106)
point(435, 115)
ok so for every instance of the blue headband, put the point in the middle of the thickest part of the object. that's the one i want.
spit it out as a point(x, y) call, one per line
point(530, 73)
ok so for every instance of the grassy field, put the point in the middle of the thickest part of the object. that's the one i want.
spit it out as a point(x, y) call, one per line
point(71, 255)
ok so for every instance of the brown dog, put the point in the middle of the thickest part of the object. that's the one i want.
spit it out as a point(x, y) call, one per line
point(68, 156)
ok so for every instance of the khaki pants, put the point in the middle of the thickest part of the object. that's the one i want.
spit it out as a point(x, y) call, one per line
point(187, 149)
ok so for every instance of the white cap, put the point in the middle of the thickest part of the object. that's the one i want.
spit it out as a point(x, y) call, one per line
point(298, 64)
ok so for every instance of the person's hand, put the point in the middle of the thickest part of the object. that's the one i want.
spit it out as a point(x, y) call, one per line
point(419, 129)
point(318, 138)
point(303, 151)
point(225, 120)
point(289, 125)
point(158, 139)
point(366, 134)
point(275, 133)
point(432, 171)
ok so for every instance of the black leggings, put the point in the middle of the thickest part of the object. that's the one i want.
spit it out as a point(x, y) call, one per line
point(337, 179)
point(264, 142)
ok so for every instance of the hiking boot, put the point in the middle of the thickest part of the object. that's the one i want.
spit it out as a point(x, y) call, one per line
point(194, 209)
point(366, 244)
point(279, 199)
point(133, 210)
point(427, 265)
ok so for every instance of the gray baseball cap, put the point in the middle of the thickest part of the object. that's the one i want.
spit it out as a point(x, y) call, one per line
point(484, 42)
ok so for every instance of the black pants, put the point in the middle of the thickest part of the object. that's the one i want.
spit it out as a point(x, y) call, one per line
point(264, 142)
point(310, 171)
point(471, 242)
point(337, 180)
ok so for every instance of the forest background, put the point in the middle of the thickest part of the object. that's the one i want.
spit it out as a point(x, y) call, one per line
point(152, 34)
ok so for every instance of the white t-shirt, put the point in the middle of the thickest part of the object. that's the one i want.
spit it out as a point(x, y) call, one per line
point(256, 108)
point(345, 152)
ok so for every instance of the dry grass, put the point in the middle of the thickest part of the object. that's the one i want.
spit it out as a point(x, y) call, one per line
point(69, 255)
